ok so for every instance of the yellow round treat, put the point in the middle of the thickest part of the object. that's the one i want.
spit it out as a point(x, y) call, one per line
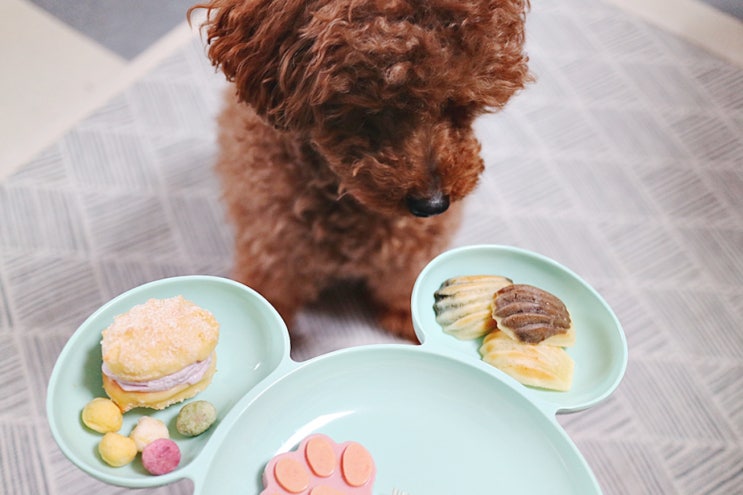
point(148, 430)
point(117, 450)
point(102, 415)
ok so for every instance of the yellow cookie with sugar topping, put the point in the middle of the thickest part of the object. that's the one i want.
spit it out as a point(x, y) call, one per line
point(159, 353)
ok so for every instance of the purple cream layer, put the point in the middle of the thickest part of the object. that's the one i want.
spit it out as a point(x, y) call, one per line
point(189, 375)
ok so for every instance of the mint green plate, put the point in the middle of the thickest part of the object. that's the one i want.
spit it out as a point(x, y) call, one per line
point(436, 419)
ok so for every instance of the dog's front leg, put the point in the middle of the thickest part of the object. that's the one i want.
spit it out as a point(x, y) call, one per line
point(390, 287)
point(270, 274)
point(392, 304)
point(409, 245)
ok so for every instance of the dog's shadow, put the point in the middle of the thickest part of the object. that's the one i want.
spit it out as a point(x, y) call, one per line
point(341, 317)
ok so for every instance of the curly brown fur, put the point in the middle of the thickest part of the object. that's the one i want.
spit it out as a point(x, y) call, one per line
point(345, 117)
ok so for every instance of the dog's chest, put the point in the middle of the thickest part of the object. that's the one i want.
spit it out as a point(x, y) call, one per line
point(350, 238)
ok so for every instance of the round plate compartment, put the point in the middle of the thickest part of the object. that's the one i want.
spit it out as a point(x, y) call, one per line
point(433, 424)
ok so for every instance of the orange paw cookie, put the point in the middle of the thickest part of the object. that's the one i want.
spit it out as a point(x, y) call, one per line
point(320, 466)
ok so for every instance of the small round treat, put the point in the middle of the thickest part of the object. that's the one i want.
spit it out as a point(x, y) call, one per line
point(117, 450)
point(102, 415)
point(161, 456)
point(195, 418)
point(148, 430)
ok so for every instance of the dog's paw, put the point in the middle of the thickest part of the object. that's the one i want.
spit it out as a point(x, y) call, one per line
point(398, 322)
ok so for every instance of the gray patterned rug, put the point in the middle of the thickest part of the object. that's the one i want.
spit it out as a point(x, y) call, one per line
point(623, 162)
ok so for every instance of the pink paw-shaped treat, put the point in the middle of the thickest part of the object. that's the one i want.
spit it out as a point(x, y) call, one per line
point(320, 466)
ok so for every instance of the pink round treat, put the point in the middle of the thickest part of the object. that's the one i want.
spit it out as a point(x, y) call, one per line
point(161, 456)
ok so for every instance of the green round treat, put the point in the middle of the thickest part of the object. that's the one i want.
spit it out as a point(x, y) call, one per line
point(195, 418)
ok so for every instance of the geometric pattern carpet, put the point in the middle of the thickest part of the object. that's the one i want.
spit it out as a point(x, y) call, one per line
point(624, 162)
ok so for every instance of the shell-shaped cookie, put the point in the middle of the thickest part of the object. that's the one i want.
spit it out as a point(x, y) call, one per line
point(463, 304)
point(533, 365)
point(532, 315)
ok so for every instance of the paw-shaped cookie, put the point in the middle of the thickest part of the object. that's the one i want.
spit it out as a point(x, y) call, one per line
point(320, 466)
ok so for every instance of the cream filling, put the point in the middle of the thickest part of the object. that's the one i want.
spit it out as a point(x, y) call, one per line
point(189, 375)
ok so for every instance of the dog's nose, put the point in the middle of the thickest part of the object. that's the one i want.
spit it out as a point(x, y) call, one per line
point(429, 206)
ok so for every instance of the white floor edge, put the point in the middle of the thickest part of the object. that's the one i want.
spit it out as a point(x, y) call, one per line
point(79, 109)
point(717, 32)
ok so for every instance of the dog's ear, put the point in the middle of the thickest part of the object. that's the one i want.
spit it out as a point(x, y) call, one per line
point(257, 45)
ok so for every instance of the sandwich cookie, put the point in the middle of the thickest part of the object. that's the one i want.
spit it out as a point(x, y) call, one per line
point(159, 353)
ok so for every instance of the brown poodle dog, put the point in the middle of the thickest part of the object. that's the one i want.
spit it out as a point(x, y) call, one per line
point(347, 139)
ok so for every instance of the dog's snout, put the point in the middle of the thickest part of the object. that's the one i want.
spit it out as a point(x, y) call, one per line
point(428, 206)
